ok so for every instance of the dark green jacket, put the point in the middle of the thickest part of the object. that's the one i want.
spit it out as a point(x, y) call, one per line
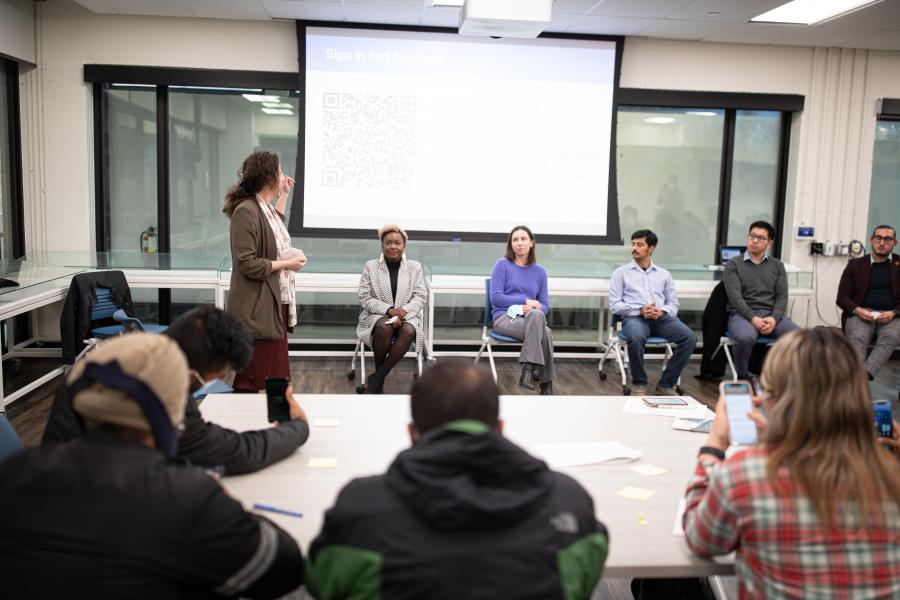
point(463, 513)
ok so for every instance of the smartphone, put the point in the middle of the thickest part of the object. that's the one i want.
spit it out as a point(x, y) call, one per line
point(276, 399)
point(664, 401)
point(738, 403)
point(884, 417)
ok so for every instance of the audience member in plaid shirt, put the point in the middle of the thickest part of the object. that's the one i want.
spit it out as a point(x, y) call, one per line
point(814, 510)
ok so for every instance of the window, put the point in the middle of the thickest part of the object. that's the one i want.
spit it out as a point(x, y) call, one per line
point(699, 167)
point(210, 134)
point(884, 209)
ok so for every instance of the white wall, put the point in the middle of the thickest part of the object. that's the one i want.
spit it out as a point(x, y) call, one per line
point(17, 30)
point(832, 140)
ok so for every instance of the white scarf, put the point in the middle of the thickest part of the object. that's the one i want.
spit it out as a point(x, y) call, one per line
point(286, 283)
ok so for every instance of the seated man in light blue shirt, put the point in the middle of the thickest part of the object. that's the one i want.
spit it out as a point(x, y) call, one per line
point(643, 296)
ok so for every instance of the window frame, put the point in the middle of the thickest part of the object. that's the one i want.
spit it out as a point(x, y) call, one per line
point(16, 207)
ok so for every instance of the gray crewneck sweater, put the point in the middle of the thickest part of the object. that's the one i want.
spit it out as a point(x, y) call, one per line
point(751, 287)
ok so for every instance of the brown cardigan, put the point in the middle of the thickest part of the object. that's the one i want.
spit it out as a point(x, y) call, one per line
point(855, 282)
point(254, 297)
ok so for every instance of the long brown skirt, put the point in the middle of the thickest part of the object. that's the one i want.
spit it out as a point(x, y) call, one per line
point(270, 359)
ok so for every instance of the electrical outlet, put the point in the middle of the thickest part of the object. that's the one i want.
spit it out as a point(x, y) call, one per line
point(816, 248)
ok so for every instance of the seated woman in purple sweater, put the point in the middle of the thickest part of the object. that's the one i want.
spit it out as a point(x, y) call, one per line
point(517, 281)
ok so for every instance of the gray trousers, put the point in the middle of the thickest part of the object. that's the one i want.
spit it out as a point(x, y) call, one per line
point(861, 333)
point(537, 339)
point(744, 335)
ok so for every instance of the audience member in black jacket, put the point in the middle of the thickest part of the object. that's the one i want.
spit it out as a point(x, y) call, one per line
point(111, 515)
point(214, 342)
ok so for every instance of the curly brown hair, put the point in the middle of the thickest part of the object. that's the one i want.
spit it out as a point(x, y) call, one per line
point(259, 170)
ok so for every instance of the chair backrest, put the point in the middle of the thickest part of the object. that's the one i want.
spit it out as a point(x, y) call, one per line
point(9, 439)
point(129, 323)
point(104, 307)
point(488, 309)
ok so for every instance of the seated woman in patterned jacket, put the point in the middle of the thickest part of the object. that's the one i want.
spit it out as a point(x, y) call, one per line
point(392, 295)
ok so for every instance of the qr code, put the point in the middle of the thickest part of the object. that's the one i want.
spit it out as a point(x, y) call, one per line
point(368, 140)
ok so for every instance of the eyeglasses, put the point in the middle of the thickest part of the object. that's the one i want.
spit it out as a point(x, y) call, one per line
point(882, 240)
point(758, 238)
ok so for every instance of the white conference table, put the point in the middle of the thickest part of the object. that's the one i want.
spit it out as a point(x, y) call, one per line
point(372, 430)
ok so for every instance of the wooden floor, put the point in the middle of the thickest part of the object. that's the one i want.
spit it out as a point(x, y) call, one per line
point(329, 376)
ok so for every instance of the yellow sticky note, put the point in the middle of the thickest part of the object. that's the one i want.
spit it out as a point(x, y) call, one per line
point(326, 422)
point(322, 462)
point(635, 493)
point(642, 520)
point(648, 470)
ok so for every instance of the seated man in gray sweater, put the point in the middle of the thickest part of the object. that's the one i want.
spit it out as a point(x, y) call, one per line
point(757, 289)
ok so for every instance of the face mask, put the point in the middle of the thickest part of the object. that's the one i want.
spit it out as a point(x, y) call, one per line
point(514, 311)
point(213, 386)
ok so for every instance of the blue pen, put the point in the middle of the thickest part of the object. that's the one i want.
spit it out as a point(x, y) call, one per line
point(280, 511)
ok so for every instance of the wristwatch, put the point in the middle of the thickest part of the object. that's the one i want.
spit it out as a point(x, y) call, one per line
point(712, 451)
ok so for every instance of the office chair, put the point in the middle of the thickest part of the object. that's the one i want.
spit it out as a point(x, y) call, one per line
point(489, 337)
point(617, 342)
point(104, 309)
point(360, 351)
point(726, 342)
point(9, 439)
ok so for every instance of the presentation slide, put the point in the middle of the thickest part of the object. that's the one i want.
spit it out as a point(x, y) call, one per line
point(448, 133)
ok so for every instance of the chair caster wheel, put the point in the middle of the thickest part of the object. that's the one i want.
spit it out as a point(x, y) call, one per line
point(626, 391)
point(679, 390)
point(360, 389)
point(415, 375)
point(351, 375)
point(602, 376)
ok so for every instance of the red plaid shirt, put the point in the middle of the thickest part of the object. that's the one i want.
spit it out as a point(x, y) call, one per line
point(782, 551)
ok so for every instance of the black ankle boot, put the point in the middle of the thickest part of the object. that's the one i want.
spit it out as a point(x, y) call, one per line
point(536, 372)
point(546, 388)
point(374, 384)
point(527, 379)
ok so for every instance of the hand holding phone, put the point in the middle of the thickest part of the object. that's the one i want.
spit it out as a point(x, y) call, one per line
point(884, 419)
point(276, 399)
point(738, 405)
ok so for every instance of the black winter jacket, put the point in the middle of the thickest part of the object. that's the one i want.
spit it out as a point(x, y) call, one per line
point(75, 321)
point(463, 513)
point(202, 443)
point(106, 517)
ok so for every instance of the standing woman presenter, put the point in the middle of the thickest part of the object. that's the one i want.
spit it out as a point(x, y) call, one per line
point(262, 267)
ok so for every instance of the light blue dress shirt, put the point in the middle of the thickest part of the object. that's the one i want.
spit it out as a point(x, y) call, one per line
point(632, 288)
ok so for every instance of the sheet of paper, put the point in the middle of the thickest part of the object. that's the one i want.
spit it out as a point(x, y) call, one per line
point(326, 422)
point(693, 410)
point(322, 462)
point(573, 454)
point(648, 470)
point(678, 528)
point(698, 425)
point(635, 493)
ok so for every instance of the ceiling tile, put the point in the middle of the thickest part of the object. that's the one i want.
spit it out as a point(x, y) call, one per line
point(609, 25)
point(160, 8)
point(560, 22)
point(821, 36)
point(674, 29)
point(97, 6)
point(882, 40)
point(875, 16)
point(752, 33)
point(574, 7)
point(649, 9)
point(233, 9)
point(441, 16)
point(396, 15)
point(312, 11)
point(731, 11)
